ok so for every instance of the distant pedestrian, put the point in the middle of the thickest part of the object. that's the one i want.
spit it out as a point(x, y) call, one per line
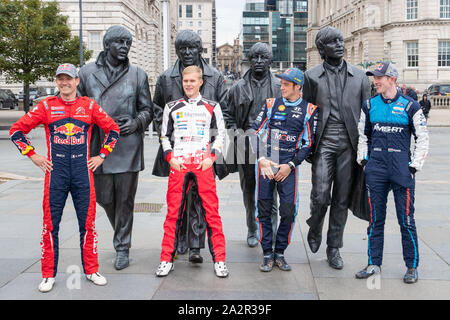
point(68, 167)
point(410, 92)
point(425, 104)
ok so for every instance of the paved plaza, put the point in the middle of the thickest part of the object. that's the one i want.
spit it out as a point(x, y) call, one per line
point(21, 189)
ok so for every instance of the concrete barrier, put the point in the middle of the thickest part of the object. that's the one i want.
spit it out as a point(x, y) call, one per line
point(440, 102)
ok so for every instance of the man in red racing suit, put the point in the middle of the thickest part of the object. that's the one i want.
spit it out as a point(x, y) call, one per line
point(193, 133)
point(68, 167)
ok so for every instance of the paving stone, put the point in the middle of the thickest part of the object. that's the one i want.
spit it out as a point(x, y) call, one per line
point(311, 277)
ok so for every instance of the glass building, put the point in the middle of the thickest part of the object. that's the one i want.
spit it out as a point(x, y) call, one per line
point(255, 24)
point(283, 29)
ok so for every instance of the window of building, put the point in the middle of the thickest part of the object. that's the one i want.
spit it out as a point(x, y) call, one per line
point(199, 14)
point(191, 23)
point(95, 41)
point(180, 11)
point(444, 53)
point(411, 9)
point(189, 11)
point(301, 5)
point(199, 24)
point(412, 54)
point(199, 7)
point(199, 32)
point(445, 9)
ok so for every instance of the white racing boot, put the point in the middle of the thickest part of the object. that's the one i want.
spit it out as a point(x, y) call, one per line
point(97, 279)
point(46, 285)
point(164, 268)
point(220, 269)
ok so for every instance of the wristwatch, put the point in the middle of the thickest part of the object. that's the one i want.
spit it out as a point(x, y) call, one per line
point(102, 155)
point(291, 165)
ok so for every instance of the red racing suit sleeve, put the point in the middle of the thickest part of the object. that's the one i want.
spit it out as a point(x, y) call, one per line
point(108, 125)
point(24, 125)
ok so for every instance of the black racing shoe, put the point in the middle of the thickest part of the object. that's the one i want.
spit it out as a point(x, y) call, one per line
point(368, 271)
point(194, 256)
point(267, 263)
point(411, 276)
point(281, 262)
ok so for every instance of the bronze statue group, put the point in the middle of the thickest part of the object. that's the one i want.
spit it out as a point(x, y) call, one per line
point(263, 127)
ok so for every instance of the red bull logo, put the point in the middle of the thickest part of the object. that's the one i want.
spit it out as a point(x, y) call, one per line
point(22, 145)
point(24, 148)
point(111, 145)
point(70, 130)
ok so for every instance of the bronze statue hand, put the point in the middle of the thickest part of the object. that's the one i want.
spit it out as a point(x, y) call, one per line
point(127, 125)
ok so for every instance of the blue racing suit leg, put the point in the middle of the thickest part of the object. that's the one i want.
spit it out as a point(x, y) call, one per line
point(404, 205)
point(263, 213)
point(288, 193)
point(288, 210)
point(377, 184)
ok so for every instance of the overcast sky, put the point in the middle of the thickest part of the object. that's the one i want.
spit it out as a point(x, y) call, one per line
point(229, 15)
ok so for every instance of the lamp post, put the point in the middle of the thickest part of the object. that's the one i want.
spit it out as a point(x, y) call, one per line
point(81, 32)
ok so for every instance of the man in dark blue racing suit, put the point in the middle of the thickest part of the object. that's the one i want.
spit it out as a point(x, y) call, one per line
point(284, 134)
point(385, 127)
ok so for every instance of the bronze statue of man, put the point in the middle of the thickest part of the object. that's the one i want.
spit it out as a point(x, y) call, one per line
point(189, 47)
point(123, 92)
point(338, 89)
point(245, 100)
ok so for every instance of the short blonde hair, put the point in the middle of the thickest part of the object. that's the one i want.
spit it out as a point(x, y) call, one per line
point(193, 69)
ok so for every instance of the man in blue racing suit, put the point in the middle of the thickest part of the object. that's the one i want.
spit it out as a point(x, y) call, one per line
point(283, 137)
point(385, 127)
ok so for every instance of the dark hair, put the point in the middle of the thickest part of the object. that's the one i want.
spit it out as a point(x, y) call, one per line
point(324, 36)
point(114, 33)
point(188, 37)
point(259, 47)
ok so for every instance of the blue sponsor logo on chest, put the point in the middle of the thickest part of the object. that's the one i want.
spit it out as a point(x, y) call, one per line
point(279, 117)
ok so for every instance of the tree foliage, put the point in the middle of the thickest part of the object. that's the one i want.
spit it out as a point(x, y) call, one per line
point(34, 40)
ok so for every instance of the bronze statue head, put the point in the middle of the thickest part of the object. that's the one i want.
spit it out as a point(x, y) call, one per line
point(117, 43)
point(260, 58)
point(189, 47)
point(330, 43)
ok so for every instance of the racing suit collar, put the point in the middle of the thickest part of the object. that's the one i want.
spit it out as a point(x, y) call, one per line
point(194, 100)
point(388, 101)
point(292, 103)
point(68, 102)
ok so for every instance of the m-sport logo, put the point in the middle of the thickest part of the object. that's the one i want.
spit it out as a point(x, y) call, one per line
point(388, 129)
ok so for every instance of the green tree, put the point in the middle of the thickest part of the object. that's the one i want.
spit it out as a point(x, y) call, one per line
point(34, 40)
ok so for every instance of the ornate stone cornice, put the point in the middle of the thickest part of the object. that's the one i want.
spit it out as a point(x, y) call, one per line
point(415, 23)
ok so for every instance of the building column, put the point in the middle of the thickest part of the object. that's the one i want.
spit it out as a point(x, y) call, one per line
point(313, 4)
point(166, 33)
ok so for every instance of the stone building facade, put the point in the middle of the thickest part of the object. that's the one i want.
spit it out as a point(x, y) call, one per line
point(143, 18)
point(229, 57)
point(199, 16)
point(414, 34)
